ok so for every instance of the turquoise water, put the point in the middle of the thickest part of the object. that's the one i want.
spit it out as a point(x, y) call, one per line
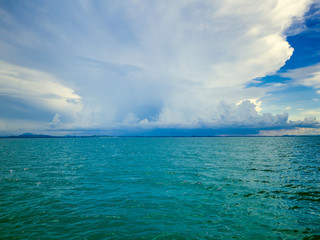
point(160, 188)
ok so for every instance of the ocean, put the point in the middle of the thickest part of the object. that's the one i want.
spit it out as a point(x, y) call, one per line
point(160, 188)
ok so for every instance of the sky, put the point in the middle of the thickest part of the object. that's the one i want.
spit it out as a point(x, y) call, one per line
point(163, 68)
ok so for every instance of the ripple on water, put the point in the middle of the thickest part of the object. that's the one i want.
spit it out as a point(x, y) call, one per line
point(160, 188)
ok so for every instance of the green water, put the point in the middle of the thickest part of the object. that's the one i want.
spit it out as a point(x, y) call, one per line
point(160, 188)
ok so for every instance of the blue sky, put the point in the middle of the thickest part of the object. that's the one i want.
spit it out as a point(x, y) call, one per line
point(160, 67)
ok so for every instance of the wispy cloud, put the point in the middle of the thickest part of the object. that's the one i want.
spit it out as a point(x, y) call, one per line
point(28, 94)
point(306, 76)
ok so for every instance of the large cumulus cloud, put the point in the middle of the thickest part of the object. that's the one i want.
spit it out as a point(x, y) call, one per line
point(151, 63)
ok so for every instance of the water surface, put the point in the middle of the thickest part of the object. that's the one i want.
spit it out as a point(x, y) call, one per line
point(160, 188)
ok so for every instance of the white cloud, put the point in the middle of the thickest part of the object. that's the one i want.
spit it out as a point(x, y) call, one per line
point(165, 63)
point(244, 114)
point(38, 93)
point(311, 113)
point(56, 121)
point(214, 43)
point(207, 51)
point(295, 131)
point(306, 76)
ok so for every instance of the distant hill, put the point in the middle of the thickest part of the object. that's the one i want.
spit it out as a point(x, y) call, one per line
point(31, 135)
